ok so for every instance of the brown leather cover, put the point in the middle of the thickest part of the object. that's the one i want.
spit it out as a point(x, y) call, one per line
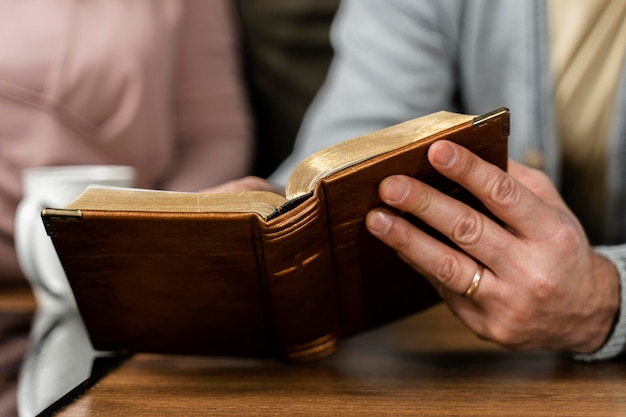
point(241, 285)
point(374, 285)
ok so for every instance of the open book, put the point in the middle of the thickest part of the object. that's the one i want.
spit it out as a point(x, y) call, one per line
point(255, 273)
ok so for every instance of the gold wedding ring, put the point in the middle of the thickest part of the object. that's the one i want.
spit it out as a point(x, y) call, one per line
point(475, 281)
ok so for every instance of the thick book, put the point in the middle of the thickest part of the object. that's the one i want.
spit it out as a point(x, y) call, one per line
point(258, 274)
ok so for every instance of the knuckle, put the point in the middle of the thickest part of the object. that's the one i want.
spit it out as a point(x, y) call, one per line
point(543, 288)
point(403, 239)
point(503, 334)
point(504, 192)
point(510, 327)
point(466, 166)
point(446, 270)
point(467, 228)
point(421, 204)
point(568, 238)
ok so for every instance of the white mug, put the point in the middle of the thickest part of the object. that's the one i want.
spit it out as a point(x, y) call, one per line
point(54, 187)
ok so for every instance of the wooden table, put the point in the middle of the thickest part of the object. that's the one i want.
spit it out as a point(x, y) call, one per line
point(426, 365)
point(17, 306)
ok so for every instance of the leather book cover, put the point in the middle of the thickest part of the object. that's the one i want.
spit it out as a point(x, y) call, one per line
point(289, 285)
point(374, 286)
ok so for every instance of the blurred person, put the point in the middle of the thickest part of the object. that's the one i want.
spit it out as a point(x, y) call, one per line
point(154, 84)
point(554, 275)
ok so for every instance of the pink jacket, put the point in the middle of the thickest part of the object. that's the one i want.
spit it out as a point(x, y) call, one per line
point(149, 83)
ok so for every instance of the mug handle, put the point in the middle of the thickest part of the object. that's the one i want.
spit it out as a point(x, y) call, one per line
point(28, 245)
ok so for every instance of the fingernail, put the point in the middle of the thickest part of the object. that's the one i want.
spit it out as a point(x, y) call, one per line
point(395, 190)
point(379, 223)
point(444, 154)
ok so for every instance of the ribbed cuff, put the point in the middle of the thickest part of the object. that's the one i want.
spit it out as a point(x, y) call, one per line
point(616, 342)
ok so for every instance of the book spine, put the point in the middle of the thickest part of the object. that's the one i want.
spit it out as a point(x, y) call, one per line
point(300, 282)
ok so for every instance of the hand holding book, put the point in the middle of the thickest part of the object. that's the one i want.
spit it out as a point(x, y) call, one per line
point(258, 273)
point(452, 271)
point(538, 266)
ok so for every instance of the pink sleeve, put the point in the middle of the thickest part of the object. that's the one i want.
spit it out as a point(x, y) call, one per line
point(212, 120)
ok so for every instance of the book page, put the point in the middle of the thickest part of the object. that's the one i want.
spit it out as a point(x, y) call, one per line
point(135, 199)
point(351, 152)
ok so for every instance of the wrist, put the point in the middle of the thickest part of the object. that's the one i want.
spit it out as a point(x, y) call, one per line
point(614, 339)
point(607, 302)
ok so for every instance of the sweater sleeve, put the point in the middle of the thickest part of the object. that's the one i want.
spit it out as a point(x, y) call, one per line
point(616, 341)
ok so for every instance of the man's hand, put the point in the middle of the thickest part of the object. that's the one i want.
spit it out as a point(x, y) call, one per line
point(542, 286)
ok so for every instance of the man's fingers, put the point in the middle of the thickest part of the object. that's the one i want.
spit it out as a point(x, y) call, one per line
point(467, 228)
point(517, 206)
point(448, 269)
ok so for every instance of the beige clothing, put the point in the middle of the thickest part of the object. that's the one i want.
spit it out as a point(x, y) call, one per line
point(148, 83)
point(588, 47)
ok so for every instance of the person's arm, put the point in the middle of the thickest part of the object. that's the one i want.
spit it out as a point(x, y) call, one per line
point(213, 124)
